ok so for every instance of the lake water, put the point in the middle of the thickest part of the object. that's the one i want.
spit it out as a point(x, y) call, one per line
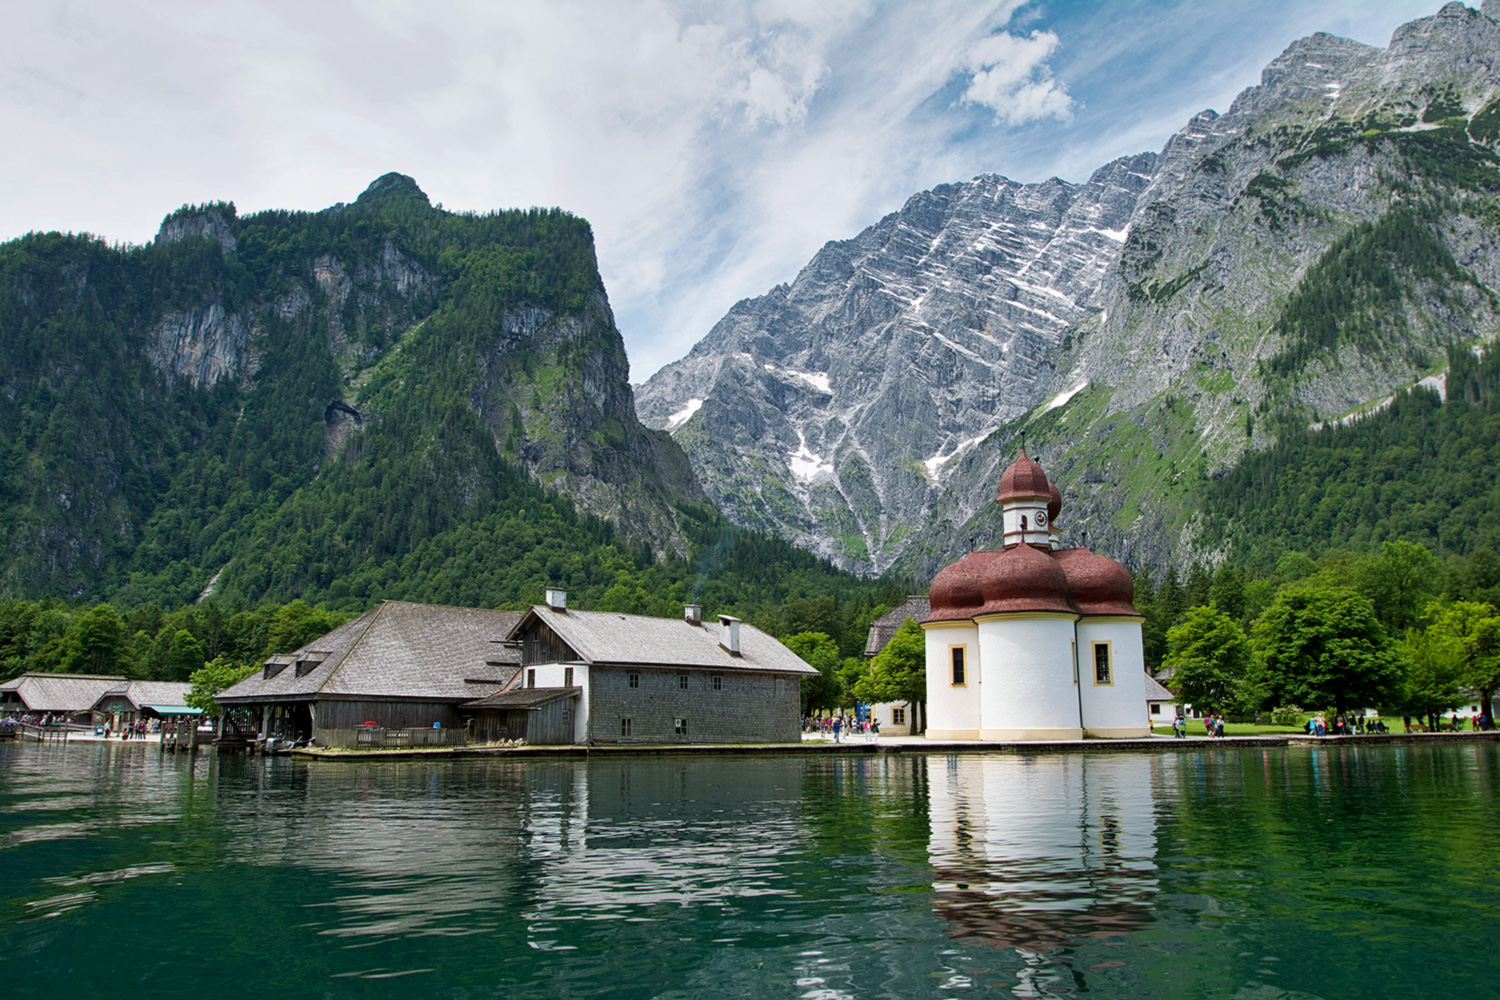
point(1337, 872)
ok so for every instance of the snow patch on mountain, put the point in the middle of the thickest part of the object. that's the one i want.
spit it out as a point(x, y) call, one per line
point(683, 415)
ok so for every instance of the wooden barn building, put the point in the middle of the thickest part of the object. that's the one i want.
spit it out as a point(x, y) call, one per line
point(70, 695)
point(130, 702)
point(604, 677)
point(399, 666)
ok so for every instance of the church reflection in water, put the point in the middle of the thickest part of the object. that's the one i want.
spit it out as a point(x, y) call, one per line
point(1042, 852)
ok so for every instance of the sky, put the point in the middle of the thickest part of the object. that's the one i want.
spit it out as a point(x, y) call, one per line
point(713, 146)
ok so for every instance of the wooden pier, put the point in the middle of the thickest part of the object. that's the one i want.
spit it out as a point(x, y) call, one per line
point(28, 733)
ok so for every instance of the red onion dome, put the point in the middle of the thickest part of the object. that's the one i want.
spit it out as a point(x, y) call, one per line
point(957, 591)
point(1025, 579)
point(1097, 584)
point(1055, 507)
point(1024, 479)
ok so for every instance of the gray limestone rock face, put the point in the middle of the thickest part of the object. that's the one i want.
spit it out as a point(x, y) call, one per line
point(832, 410)
point(581, 435)
point(1134, 327)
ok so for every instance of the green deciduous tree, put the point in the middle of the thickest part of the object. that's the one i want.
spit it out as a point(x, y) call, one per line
point(1210, 658)
point(95, 643)
point(1472, 630)
point(821, 653)
point(213, 677)
point(1400, 582)
point(296, 624)
point(1324, 646)
point(1434, 673)
point(898, 673)
point(185, 657)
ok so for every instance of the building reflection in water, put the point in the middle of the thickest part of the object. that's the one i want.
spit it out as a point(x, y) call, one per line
point(1042, 852)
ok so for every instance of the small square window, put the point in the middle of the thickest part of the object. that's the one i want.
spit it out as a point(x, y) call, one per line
point(633, 679)
point(682, 681)
point(624, 727)
point(898, 716)
point(718, 683)
point(1155, 709)
point(679, 726)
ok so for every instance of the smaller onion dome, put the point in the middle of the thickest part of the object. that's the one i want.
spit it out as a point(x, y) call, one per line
point(1055, 507)
point(1024, 479)
point(1024, 578)
point(1097, 584)
point(957, 591)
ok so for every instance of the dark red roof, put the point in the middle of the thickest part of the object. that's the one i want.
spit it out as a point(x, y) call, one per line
point(1024, 479)
point(958, 590)
point(1020, 578)
point(1055, 507)
point(1097, 584)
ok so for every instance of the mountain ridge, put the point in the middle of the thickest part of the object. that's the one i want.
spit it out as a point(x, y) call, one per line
point(1235, 307)
point(235, 367)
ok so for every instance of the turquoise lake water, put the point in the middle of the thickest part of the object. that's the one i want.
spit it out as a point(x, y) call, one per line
point(1335, 872)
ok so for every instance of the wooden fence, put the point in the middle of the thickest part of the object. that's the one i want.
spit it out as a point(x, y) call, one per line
point(375, 736)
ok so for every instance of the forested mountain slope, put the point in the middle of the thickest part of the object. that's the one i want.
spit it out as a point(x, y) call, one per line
point(1300, 258)
point(362, 402)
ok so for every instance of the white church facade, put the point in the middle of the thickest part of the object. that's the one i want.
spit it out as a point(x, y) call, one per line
point(1032, 641)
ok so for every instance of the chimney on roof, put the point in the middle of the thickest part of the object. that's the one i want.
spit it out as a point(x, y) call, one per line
point(557, 599)
point(729, 634)
point(692, 614)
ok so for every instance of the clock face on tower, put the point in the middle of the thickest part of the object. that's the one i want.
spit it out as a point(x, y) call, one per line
point(1041, 520)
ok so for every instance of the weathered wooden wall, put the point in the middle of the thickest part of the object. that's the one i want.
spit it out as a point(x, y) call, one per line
point(743, 707)
point(334, 720)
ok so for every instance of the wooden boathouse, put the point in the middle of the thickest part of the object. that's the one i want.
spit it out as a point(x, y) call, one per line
point(400, 666)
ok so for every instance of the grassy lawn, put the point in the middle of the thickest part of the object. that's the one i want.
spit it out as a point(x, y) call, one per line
point(1195, 728)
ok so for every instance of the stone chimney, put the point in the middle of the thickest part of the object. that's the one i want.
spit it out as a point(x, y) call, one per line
point(557, 599)
point(729, 634)
point(692, 614)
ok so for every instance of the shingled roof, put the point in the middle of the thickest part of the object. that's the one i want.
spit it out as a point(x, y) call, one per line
point(916, 607)
point(60, 692)
point(606, 637)
point(1157, 691)
point(395, 650)
point(525, 697)
point(154, 693)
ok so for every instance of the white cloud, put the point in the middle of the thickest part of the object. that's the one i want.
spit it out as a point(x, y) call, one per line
point(1011, 77)
point(714, 147)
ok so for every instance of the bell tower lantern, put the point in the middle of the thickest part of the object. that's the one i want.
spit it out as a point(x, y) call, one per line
point(1026, 499)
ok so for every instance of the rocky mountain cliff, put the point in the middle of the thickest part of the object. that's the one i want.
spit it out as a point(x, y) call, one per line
point(334, 387)
point(834, 410)
point(1294, 260)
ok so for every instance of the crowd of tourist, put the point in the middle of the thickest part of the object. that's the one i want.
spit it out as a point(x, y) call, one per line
point(35, 719)
point(841, 727)
point(138, 729)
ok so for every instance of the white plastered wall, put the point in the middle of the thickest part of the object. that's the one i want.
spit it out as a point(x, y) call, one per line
point(1116, 710)
point(552, 675)
point(1034, 533)
point(1026, 661)
point(885, 712)
point(952, 711)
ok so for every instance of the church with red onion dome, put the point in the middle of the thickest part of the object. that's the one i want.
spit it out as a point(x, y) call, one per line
point(1032, 641)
